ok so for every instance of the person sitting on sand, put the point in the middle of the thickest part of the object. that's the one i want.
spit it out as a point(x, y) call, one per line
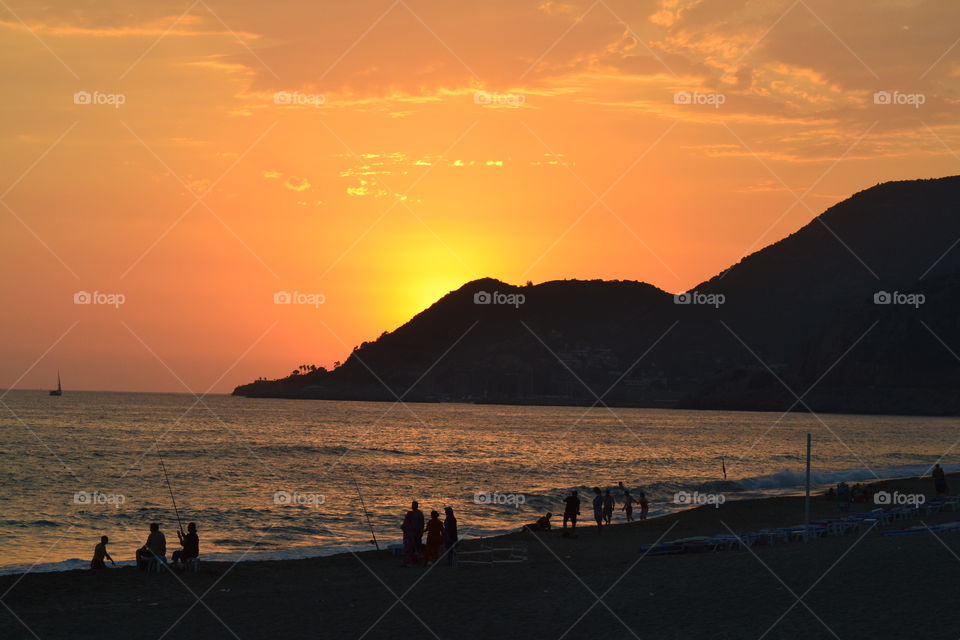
point(450, 537)
point(542, 524)
point(628, 502)
point(155, 547)
point(190, 543)
point(939, 481)
point(644, 505)
point(434, 538)
point(99, 553)
point(571, 510)
point(598, 509)
point(608, 504)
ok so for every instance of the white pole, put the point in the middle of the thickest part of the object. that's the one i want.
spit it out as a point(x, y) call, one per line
point(806, 501)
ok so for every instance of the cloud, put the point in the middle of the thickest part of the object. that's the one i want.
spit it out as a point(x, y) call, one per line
point(296, 183)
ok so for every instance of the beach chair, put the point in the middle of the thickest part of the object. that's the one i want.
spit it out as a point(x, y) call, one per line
point(881, 516)
point(155, 564)
point(791, 534)
point(694, 544)
point(746, 541)
point(897, 514)
point(721, 542)
point(193, 565)
point(770, 536)
point(664, 548)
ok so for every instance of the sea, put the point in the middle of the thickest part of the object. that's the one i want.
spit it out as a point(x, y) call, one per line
point(268, 479)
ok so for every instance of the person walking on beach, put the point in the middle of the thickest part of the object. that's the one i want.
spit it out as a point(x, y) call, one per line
point(450, 536)
point(99, 553)
point(571, 510)
point(434, 538)
point(412, 528)
point(644, 505)
point(939, 481)
point(190, 542)
point(608, 504)
point(628, 502)
point(598, 509)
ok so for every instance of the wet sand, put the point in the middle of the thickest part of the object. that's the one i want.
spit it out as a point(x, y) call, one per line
point(854, 586)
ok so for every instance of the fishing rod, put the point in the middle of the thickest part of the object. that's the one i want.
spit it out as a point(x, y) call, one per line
point(164, 467)
point(369, 524)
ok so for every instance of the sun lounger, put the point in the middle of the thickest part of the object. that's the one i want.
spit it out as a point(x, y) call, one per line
point(661, 549)
point(722, 542)
point(772, 536)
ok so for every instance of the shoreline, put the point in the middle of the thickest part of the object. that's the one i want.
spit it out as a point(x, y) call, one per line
point(658, 512)
point(883, 588)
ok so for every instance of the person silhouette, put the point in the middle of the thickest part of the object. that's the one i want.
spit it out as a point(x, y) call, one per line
point(155, 547)
point(419, 522)
point(608, 504)
point(571, 510)
point(939, 480)
point(190, 542)
point(598, 509)
point(628, 502)
point(434, 538)
point(450, 535)
point(99, 553)
point(412, 528)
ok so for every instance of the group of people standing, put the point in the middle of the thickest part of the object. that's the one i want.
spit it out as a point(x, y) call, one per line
point(439, 534)
point(603, 506)
point(155, 549)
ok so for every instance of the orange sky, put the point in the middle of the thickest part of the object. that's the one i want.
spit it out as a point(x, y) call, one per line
point(346, 149)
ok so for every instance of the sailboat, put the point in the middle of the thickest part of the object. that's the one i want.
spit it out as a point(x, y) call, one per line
point(59, 390)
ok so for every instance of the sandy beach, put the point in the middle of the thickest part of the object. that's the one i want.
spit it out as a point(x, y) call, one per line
point(854, 586)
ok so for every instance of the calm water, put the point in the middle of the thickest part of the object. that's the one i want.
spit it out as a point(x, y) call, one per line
point(227, 461)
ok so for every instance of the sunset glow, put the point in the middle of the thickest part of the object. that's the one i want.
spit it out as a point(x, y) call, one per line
point(198, 160)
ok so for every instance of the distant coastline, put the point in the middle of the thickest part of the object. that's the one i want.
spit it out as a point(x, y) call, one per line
point(808, 323)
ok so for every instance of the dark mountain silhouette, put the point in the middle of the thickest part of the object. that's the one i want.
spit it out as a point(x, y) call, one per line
point(795, 316)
